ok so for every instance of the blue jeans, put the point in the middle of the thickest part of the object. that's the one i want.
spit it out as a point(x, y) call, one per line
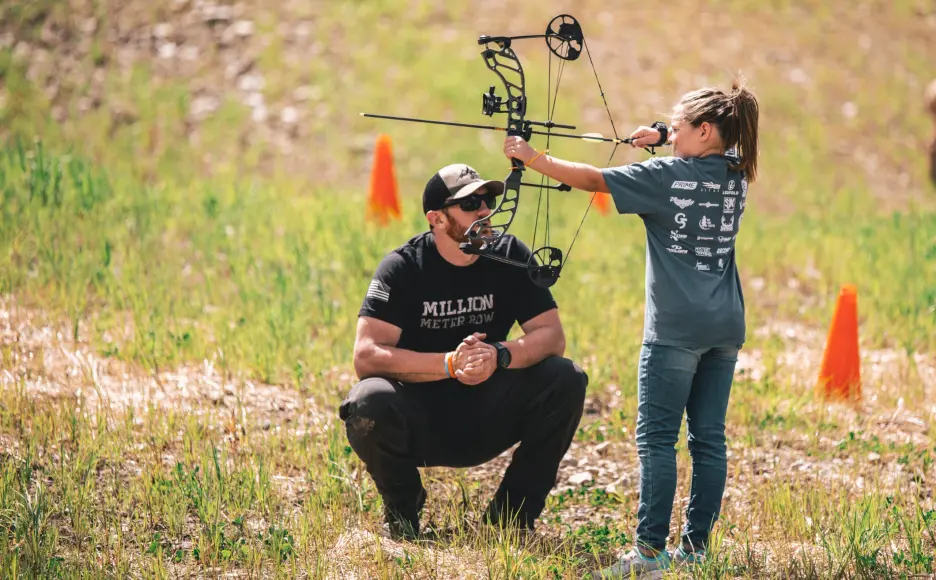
point(672, 380)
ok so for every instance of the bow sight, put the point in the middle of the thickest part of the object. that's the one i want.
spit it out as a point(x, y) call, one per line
point(492, 103)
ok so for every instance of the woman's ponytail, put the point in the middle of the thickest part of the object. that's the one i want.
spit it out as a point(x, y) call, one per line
point(735, 115)
point(745, 114)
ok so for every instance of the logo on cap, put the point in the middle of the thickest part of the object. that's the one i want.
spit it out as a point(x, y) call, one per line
point(469, 172)
point(458, 176)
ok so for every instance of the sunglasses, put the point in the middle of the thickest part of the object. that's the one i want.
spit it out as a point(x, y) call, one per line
point(473, 202)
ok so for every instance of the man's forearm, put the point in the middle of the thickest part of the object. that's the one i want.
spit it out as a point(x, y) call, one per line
point(400, 364)
point(535, 346)
point(578, 175)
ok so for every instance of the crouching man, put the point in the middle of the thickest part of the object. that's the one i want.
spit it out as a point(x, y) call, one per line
point(440, 384)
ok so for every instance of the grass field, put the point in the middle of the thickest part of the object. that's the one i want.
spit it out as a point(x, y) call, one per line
point(177, 332)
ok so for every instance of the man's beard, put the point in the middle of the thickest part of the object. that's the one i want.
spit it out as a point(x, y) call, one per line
point(456, 233)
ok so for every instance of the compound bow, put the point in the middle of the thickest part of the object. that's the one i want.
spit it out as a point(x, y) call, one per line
point(565, 40)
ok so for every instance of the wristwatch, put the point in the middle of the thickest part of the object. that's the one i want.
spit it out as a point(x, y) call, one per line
point(503, 355)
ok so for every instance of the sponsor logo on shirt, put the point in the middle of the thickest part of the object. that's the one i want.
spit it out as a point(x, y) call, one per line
point(721, 263)
point(702, 267)
point(727, 223)
point(711, 185)
point(703, 252)
point(682, 203)
point(677, 249)
point(681, 220)
point(743, 187)
point(705, 223)
point(676, 235)
point(708, 204)
point(688, 185)
point(742, 204)
point(378, 291)
point(722, 251)
point(731, 184)
point(704, 238)
point(725, 239)
point(729, 205)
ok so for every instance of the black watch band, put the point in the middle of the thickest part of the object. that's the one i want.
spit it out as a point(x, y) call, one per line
point(503, 355)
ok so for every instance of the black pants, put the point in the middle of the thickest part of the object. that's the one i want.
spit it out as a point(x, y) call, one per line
point(397, 427)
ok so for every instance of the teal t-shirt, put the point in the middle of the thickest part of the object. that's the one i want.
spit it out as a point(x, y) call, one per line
point(692, 210)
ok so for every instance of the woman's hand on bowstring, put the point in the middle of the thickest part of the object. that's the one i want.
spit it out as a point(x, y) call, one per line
point(644, 137)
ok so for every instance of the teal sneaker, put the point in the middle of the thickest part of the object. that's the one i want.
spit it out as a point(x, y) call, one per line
point(681, 558)
point(636, 566)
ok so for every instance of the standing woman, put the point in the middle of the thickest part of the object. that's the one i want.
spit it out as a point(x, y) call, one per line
point(691, 204)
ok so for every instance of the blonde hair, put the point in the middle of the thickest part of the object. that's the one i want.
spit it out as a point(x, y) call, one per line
point(735, 115)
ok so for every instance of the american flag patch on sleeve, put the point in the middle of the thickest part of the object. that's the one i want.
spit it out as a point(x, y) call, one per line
point(378, 291)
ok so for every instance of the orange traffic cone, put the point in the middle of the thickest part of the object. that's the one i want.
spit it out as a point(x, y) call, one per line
point(383, 202)
point(603, 202)
point(840, 374)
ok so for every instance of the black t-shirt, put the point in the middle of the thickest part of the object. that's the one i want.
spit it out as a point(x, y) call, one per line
point(437, 304)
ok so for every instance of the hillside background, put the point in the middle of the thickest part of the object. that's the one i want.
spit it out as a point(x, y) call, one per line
point(192, 87)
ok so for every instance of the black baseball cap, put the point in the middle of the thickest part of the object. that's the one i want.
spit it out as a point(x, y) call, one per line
point(454, 182)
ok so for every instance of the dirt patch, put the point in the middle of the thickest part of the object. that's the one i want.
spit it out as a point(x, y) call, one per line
point(356, 547)
point(42, 359)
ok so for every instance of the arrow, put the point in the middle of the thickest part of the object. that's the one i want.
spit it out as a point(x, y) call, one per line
point(591, 137)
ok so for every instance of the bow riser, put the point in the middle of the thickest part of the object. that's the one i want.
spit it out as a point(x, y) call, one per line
point(515, 108)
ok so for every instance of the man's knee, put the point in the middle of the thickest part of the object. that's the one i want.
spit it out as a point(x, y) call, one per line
point(569, 378)
point(370, 403)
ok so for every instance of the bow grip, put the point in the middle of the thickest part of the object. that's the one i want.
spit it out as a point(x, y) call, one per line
point(518, 128)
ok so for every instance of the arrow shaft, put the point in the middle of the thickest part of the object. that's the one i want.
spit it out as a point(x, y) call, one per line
point(495, 128)
point(586, 137)
point(433, 122)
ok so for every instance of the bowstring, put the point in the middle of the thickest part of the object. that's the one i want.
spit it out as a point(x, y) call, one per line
point(539, 197)
point(613, 150)
point(552, 98)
